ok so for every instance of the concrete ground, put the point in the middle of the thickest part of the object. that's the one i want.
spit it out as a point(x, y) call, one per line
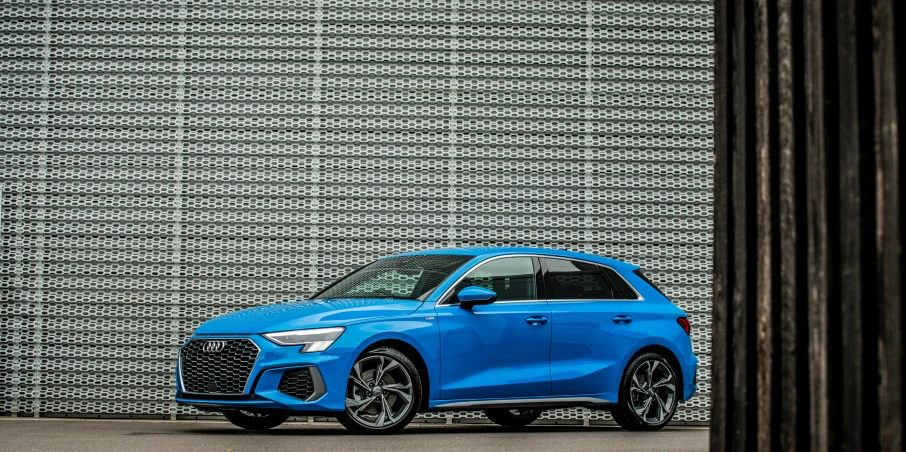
point(25, 434)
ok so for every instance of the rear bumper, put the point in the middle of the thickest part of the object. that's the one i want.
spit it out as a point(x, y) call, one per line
point(690, 379)
point(261, 393)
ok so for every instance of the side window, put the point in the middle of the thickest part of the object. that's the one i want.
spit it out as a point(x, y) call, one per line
point(574, 280)
point(513, 278)
point(621, 289)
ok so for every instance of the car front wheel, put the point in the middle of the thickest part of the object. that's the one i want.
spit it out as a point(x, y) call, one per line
point(383, 392)
point(648, 394)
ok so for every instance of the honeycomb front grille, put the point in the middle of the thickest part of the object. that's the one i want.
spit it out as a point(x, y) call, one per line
point(215, 369)
point(297, 383)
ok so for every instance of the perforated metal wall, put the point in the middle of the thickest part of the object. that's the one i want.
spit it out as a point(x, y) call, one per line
point(167, 161)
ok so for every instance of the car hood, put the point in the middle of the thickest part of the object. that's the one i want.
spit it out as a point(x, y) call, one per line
point(306, 314)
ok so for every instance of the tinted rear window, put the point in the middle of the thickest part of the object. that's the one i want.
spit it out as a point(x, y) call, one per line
point(621, 289)
point(574, 280)
point(639, 273)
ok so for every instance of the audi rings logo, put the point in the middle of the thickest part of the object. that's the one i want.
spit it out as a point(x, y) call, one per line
point(213, 346)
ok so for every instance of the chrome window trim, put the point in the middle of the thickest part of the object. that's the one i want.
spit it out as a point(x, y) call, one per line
point(498, 302)
point(247, 381)
point(594, 300)
point(542, 256)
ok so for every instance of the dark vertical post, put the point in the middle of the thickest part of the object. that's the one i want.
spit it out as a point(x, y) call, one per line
point(817, 254)
point(888, 65)
point(742, 214)
point(720, 324)
point(791, 154)
point(766, 289)
point(808, 262)
point(854, 136)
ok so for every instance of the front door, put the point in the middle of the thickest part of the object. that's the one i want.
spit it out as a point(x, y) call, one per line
point(500, 350)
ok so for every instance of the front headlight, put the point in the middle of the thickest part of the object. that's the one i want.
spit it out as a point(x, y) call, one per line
point(314, 340)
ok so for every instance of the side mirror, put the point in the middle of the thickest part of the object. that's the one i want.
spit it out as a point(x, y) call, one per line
point(474, 295)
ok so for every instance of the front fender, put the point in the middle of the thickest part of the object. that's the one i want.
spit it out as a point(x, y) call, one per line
point(415, 330)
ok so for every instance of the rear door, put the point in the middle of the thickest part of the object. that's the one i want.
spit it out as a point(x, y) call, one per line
point(500, 350)
point(593, 327)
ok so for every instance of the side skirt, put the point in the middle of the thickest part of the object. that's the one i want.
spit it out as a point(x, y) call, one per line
point(546, 403)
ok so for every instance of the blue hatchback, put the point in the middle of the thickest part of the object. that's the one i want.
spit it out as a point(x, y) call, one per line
point(511, 331)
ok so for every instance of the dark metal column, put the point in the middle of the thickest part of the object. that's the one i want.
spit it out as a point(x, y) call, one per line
point(808, 262)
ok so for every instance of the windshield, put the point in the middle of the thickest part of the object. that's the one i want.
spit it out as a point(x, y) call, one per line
point(404, 277)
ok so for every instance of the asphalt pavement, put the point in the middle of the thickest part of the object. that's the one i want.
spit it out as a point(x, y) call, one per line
point(24, 434)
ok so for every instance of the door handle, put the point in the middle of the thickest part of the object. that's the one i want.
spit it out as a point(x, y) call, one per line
point(622, 318)
point(536, 320)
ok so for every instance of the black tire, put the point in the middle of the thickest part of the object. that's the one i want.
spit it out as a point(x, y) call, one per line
point(357, 416)
point(254, 421)
point(516, 417)
point(626, 411)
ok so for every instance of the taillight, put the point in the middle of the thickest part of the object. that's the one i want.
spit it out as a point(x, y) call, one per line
point(684, 322)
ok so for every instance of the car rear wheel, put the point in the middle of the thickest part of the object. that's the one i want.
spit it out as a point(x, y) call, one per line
point(517, 417)
point(383, 392)
point(648, 394)
point(254, 421)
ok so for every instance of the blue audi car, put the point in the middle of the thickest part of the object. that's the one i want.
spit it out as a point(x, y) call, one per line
point(510, 331)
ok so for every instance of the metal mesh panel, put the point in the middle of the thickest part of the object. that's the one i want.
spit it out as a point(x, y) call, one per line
point(164, 162)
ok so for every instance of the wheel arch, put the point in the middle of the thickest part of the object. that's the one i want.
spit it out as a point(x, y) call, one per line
point(415, 356)
point(668, 354)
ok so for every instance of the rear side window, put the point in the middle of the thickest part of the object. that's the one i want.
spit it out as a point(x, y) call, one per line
point(574, 280)
point(621, 289)
point(638, 272)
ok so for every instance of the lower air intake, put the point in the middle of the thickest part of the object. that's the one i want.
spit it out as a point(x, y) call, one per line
point(297, 383)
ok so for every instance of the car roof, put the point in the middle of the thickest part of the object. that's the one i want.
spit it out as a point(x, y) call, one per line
point(491, 251)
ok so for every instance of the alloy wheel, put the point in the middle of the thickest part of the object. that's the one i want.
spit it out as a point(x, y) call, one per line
point(653, 392)
point(379, 392)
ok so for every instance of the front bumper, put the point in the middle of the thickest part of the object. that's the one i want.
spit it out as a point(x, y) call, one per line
point(261, 392)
